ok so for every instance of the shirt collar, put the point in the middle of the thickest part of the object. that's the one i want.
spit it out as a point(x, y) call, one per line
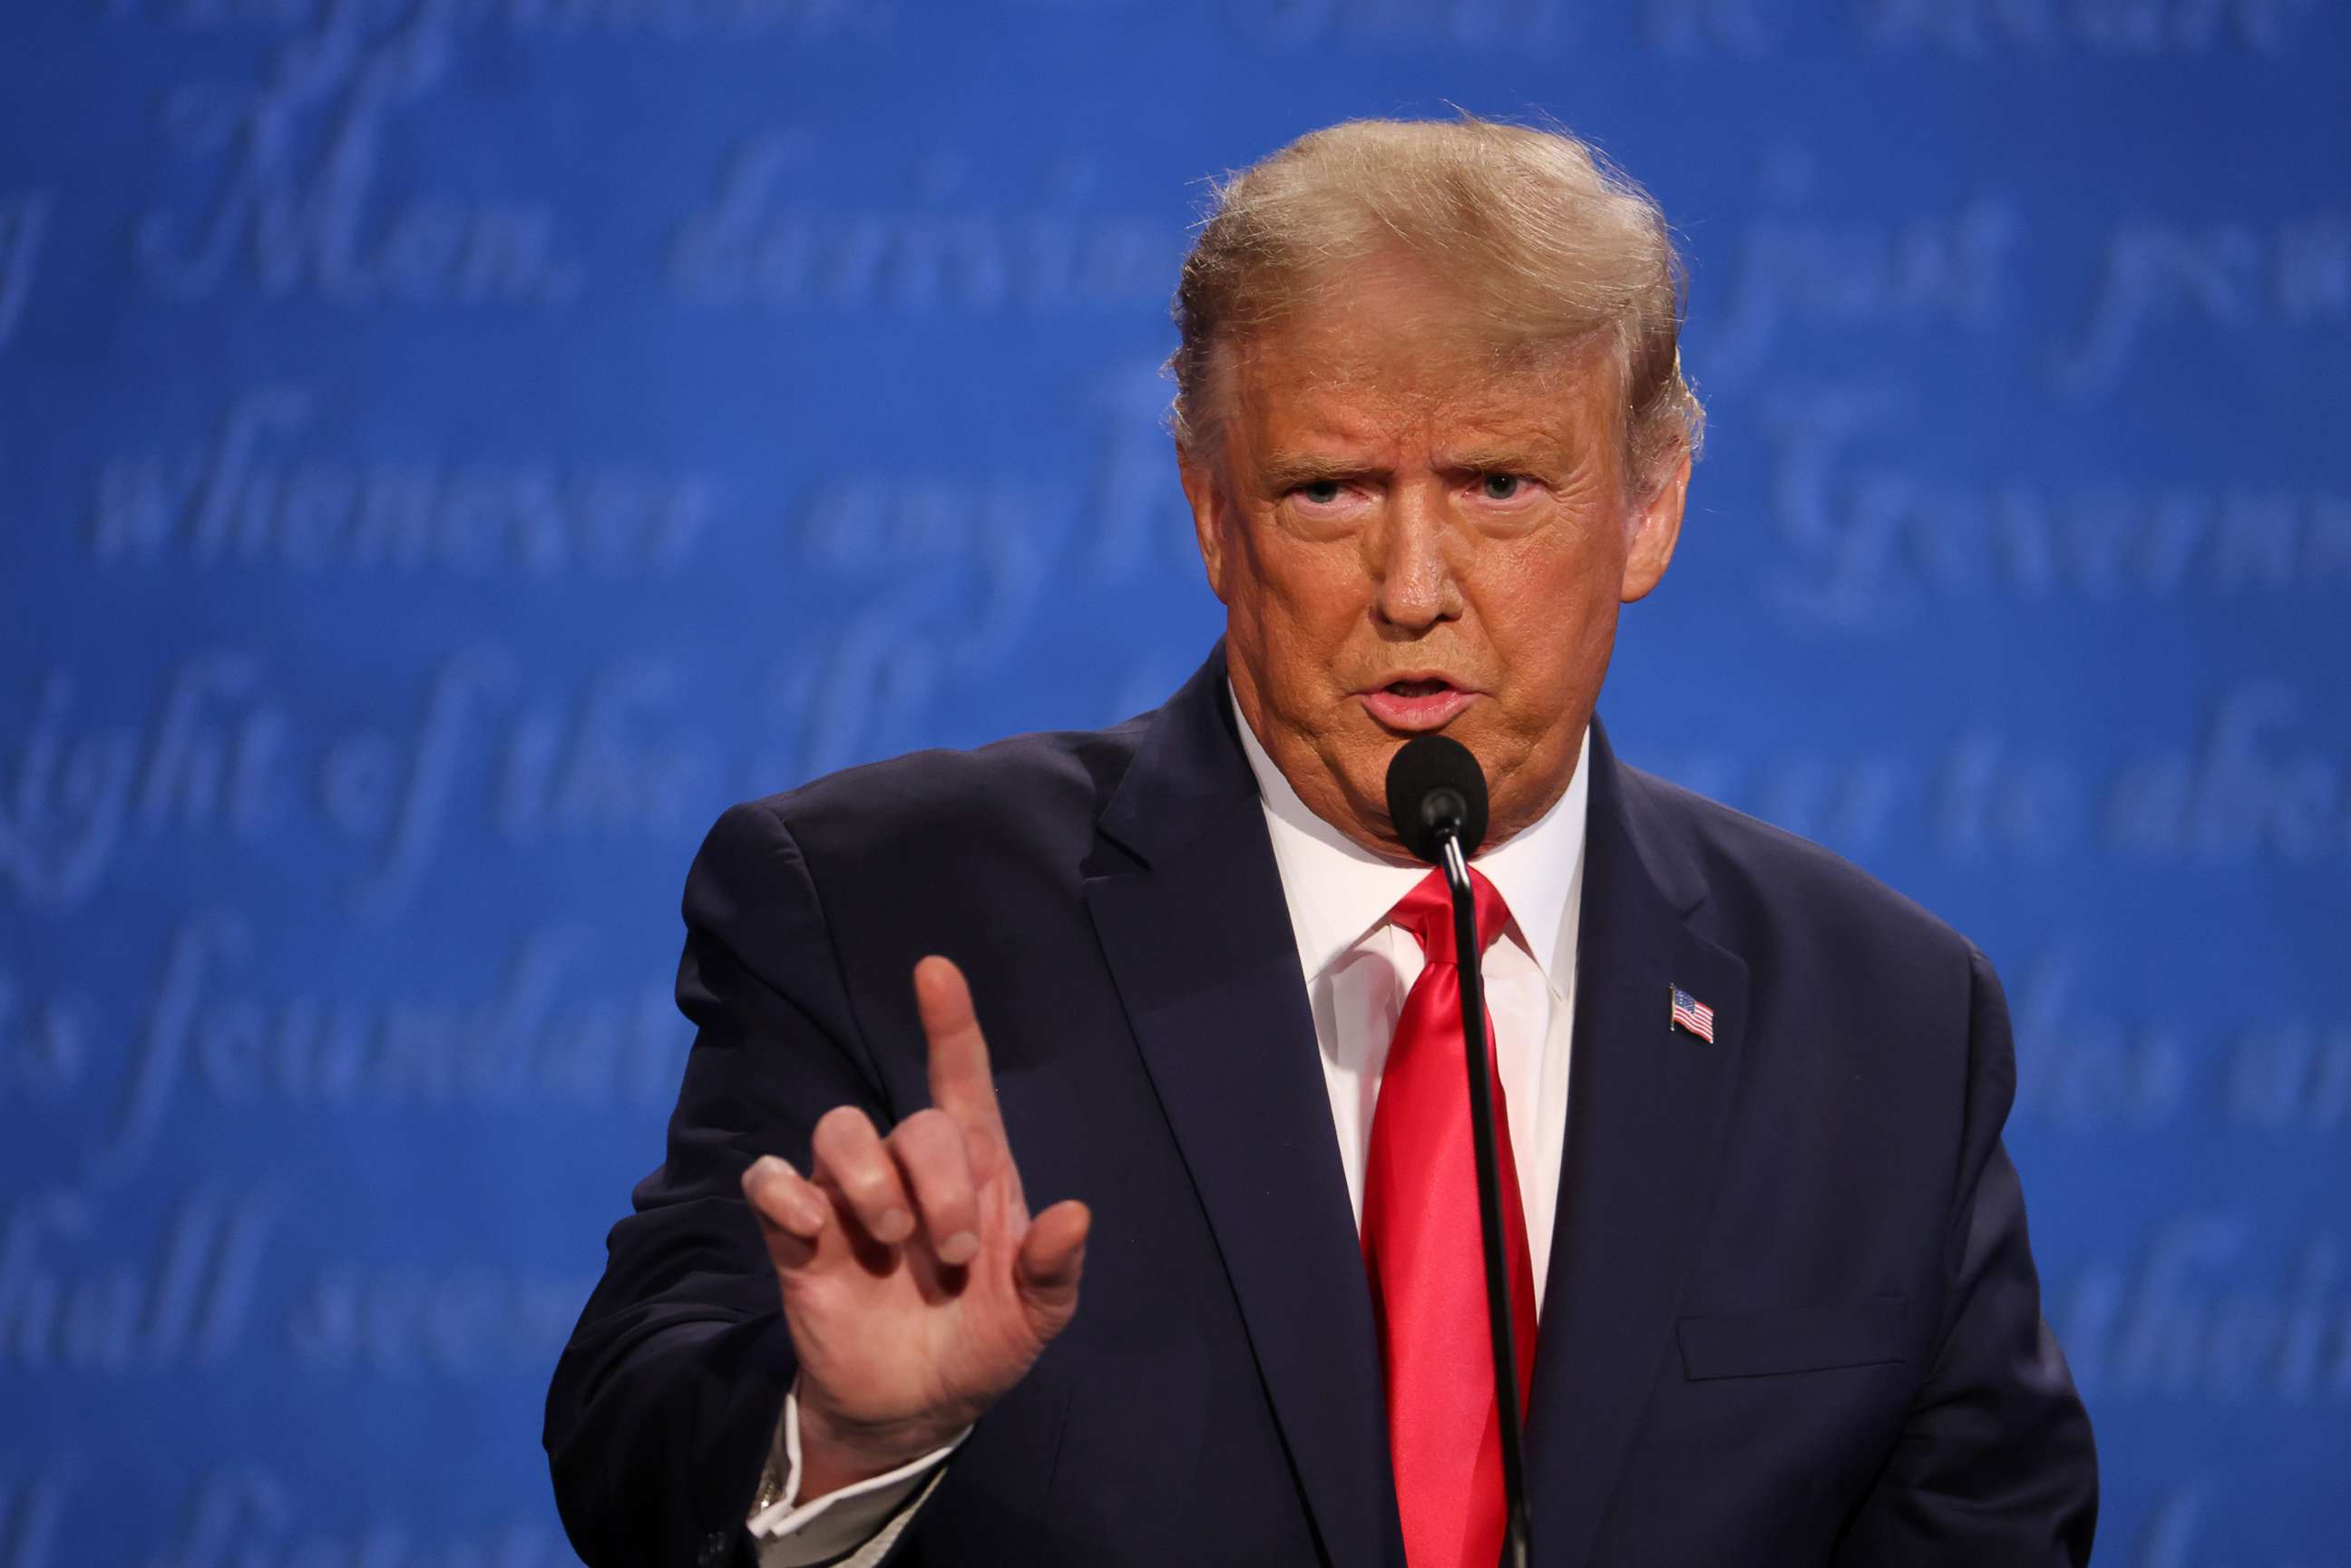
point(1337, 890)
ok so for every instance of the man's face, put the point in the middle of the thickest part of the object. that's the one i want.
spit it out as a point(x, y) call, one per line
point(1407, 538)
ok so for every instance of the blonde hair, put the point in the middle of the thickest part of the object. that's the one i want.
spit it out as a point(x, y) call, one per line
point(1533, 230)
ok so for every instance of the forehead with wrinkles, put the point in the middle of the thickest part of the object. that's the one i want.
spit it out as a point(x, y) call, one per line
point(1520, 247)
point(1402, 377)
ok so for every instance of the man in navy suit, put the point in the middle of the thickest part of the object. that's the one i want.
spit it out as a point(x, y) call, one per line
point(1137, 1015)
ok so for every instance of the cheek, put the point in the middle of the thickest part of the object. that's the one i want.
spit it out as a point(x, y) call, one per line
point(1311, 595)
point(1545, 606)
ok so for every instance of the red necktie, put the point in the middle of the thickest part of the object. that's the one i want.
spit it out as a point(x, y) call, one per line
point(1420, 1243)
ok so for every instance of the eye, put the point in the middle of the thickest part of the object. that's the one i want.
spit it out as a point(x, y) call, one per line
point(1501, 486)
point(1320, 492)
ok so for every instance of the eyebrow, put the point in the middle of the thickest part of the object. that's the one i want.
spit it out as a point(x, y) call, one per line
point(1288, 470)
point(1495, 460)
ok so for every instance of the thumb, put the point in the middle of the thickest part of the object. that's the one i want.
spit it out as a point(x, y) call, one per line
point(1046, 1269)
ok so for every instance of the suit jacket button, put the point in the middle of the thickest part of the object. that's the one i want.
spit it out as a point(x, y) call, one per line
point(713, 1549)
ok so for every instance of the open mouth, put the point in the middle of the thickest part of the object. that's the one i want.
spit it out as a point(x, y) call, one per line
point(1415, 704)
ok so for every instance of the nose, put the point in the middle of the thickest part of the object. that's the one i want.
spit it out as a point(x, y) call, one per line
point(1415, 587)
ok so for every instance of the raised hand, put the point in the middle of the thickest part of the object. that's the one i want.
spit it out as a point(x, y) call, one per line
point(917, 1286)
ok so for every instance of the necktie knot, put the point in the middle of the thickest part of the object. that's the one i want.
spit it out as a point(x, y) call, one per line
point(1427, 913)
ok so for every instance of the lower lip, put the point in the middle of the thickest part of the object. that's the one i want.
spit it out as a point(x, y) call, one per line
point(1432, 712)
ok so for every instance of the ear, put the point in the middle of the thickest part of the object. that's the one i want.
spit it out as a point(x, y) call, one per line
point(1203, 476)
point(1651, 531)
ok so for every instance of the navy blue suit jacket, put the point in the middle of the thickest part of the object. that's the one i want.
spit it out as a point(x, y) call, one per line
point(1791, 1316)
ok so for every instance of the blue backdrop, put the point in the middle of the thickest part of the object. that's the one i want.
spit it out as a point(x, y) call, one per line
point(450, 449)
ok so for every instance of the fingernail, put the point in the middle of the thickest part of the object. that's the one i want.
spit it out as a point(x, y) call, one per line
point(893, 1225)
point(808, 1215)
point(960, 1247)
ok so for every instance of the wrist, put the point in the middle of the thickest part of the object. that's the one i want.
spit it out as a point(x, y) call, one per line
point(838, 1451)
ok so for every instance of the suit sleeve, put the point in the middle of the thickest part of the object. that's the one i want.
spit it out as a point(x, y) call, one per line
point(664, 1403)
point(1995, 1467)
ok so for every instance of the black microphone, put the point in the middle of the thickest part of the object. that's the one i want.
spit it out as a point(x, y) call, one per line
point(1437, 798)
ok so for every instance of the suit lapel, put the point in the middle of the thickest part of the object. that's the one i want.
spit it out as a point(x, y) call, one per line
point(1192, 919)
point(1648, 1106)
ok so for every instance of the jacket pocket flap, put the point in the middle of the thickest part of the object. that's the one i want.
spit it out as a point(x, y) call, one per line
point(1792, 1339)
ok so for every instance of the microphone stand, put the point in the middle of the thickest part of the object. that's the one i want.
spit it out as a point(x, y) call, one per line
point(1467, 954)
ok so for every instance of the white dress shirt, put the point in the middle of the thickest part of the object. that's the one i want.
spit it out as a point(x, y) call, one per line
point(1357, 966)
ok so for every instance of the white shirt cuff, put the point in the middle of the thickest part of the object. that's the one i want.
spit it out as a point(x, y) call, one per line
point(870, 1513)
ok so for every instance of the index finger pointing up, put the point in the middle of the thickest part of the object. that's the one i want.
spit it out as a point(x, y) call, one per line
point(960, 1082)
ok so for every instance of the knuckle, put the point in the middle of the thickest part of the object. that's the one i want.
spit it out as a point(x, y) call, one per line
point(867, 1183)
point(936, 1203)
point(841, 1121)
point(930, 1121)
point(769, 1189)
point(842, 1134)
point(926, 1130)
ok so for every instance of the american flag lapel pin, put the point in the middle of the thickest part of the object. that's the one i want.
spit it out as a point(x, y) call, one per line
point(1693, 1015)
